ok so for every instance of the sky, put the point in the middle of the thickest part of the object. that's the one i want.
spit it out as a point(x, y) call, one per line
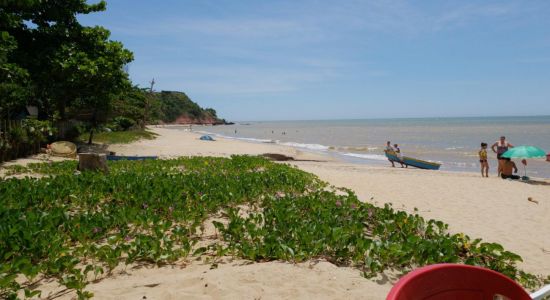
point(307, 60)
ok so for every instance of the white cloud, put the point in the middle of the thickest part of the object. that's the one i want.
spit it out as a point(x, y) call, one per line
point(291, 44)
point(235, 28)
point(463, 15)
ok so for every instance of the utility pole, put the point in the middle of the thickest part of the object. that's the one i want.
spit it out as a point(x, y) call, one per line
point(152, 83)
point(146, 108)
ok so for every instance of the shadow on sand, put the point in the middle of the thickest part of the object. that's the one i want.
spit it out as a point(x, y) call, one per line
point(536, 182)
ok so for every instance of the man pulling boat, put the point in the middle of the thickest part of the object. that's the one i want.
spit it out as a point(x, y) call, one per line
point(393, 156)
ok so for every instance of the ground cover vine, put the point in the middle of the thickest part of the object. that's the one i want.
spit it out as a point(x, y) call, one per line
point(76, 227)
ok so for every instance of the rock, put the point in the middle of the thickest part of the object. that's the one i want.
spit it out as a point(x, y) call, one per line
point(532, 200)
point(277, 157)
point(92, 162)
point(63, 149)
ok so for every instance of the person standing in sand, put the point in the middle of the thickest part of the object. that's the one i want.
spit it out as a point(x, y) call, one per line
point(483, 160)
point(390, 150)
point(499, 147)
point(398, 153)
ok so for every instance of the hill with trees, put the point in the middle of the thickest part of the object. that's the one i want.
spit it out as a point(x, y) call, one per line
point(177, 107)
point(141, 106)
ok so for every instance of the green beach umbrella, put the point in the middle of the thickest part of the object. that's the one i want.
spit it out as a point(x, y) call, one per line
point(524, 152)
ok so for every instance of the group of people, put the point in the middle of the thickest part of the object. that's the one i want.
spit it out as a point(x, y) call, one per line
point(506, 167)
point(395, 149)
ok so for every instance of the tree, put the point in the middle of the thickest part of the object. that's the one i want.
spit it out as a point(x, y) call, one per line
point(14, 90)
point(133, 105)
point(69, 65)
point(211, 112)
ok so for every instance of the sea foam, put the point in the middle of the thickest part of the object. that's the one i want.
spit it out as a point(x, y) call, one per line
point(366, 156)
point(316, 147)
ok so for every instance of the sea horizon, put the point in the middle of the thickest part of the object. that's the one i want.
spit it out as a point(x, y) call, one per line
point(392, 118)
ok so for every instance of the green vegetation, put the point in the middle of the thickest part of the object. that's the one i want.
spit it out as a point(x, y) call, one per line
point(75, 74)
point(77, 228)
point(120, 137)
point(176, 104)
point(139, 107)
point(23, 137)
point(50, 60)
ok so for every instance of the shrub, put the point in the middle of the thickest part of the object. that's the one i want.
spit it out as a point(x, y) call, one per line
point(122, 123)
point(23, 138)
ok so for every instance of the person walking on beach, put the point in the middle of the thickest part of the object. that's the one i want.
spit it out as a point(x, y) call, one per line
point(398, 154)
point(390, 150)
point(499, 147)
point(507, 167)
point(483, 160)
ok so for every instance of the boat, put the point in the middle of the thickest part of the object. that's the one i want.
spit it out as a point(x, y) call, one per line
point(206, 138)
point(120, 157)
point(413, 162)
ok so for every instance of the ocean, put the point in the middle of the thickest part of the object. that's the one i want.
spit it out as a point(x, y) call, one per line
point(453, 142)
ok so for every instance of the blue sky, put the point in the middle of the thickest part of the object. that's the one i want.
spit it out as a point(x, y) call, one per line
point(295, 60)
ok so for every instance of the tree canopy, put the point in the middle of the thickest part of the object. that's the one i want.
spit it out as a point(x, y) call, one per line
point(71, 71)
point(140, 104)
point(49, 59)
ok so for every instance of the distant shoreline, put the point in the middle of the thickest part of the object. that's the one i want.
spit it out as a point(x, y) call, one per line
point(394, 118)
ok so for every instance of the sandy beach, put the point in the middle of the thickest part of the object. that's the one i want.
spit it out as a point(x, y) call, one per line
point(493, 209)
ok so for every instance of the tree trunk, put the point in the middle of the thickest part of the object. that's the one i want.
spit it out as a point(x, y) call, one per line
point(94, 125)
point(91, 136)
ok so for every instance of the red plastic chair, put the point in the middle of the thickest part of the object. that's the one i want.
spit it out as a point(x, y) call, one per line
point(454, 282)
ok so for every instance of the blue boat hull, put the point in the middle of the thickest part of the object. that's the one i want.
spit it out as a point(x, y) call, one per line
point(118, 157)
point(413, 162)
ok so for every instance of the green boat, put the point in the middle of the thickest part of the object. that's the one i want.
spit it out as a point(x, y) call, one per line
point(413, 162)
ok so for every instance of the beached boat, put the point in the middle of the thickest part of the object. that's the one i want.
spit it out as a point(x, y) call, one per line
point(120, 157)
point(413, 162)
point(206, 138)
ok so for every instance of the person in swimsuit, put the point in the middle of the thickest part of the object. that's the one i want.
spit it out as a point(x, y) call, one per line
point(499, 147)
point(398, 154)
point(508, 166)
point(483, 160)
point(390, 150)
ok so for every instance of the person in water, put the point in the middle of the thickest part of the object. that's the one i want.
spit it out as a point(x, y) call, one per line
point(483, 160)
point(389, 150)
point(508, 168)
point(398, 154)
point(499, 147)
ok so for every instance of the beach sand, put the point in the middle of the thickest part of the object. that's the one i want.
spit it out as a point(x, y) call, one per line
point(493, 209)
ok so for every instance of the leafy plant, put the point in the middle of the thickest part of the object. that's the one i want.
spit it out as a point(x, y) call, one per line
point(24, 137)
point(123, 123)
point(71, 227)
point(120, 137)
